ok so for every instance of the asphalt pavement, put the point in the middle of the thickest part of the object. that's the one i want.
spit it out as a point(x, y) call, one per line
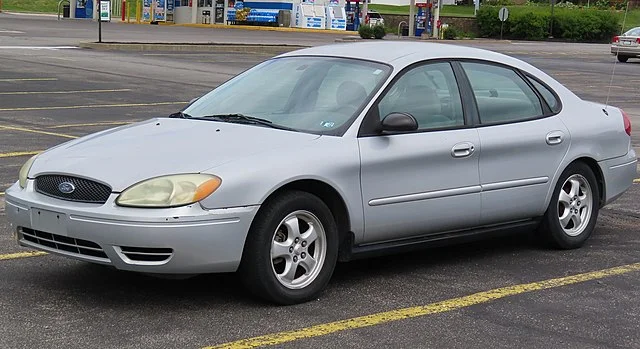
point(50, 94)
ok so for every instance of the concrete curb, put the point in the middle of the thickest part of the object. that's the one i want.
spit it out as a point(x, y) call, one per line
point(252, 27)
point(33, 14)
point(190, 47)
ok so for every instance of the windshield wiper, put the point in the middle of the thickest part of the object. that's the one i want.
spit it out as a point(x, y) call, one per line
point(241, 118)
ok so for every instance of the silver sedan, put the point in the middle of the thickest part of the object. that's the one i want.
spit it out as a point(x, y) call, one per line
point(627, 45)
point(328, 154)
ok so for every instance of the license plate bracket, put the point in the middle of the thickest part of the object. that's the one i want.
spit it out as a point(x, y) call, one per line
point(49, 221)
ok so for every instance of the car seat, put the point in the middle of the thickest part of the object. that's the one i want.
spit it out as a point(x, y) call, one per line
point(350, 94)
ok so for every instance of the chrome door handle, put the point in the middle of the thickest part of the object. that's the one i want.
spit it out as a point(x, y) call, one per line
point(554, 137)
point(462, 150)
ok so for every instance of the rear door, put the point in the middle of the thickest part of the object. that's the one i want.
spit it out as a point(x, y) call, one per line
point(522, 138)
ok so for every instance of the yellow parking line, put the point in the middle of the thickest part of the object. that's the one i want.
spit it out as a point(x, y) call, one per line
point(93, 124)
point(433, 308)
point(19, 153)
point(4, 257)
point(92, 106)
point(1, 193)
point(63, 92)
point(36, 131)
point(637, 180)
point(29, 79)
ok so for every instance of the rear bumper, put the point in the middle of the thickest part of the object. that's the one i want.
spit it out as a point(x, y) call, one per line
point(627, 51)
point(619, 174)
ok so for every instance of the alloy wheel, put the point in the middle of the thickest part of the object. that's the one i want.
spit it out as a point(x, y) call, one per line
point(298, 249)
point(575, 203)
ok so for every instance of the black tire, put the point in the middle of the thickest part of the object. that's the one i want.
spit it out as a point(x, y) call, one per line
point(551, 228)
point(623, 59)
point(256, 269)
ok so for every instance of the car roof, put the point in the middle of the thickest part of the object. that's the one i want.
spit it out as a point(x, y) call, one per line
point(399, 53)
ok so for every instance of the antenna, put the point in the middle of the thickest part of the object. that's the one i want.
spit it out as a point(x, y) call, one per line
point(624, 21)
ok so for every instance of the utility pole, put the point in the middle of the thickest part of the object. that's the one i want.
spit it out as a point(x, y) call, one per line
point(365, 11)
point(553, 2)
point(412, 18)
point(0, 5)
point(436, 20)
point(99, 21)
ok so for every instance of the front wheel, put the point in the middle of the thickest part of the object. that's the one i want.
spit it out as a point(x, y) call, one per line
point(573, 210)
point(623, 59)
point(291, 249)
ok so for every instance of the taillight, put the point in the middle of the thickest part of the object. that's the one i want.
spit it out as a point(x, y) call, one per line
point(638, 40)
point(616, 39)
point(627, 123)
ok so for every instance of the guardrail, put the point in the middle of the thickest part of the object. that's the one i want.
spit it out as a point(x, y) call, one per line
point(60, 3)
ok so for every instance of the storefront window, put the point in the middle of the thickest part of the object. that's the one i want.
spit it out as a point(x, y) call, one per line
point(205, 3)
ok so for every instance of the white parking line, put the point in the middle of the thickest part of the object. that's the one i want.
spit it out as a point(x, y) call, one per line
point(36, 47)
point(11, 31)
point(28, 79)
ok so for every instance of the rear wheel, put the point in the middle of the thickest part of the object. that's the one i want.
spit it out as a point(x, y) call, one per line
point(573, 210)
point(291, 249)
point(623, 59)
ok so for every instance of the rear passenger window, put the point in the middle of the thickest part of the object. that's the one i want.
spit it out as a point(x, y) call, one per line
point(501, 94)
point(548, 96)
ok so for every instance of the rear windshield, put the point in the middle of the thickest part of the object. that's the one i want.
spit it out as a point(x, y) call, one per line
point(374, 15)
point(633, 32)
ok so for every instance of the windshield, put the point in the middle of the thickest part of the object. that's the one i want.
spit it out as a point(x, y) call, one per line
point(310, 94)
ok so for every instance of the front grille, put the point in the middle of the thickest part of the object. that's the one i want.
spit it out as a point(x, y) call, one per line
point(85, 190)
point(146, 254)
point(63, 243)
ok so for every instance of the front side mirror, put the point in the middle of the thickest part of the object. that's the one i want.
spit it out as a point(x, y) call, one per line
point(399, 122)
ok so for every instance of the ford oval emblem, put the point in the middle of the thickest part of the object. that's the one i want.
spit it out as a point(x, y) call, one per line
point(66, 187)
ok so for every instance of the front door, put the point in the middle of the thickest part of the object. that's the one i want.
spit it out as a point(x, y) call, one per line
point(424, 181)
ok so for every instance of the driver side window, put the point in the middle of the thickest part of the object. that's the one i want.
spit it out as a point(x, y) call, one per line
point(429, 93)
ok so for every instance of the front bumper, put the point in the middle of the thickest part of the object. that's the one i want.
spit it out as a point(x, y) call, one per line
point(182, 240)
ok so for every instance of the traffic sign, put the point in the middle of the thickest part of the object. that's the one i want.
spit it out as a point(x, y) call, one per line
point(105, 11)
point(503, 14)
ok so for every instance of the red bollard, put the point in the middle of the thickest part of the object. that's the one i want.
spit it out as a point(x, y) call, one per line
point(124, 8)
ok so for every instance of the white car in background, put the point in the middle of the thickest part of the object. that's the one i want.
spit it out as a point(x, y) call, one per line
point(375, 18)
point(627, 45)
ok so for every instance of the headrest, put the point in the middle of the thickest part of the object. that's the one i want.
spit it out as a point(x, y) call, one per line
point(350, 92)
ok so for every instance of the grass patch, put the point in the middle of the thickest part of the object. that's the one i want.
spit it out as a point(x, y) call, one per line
point(633, 19)
point(390, 9)
point(457, 10)
point(44, 6)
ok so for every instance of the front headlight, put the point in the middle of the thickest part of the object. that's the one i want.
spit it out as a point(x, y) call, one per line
point(169, 191)
point(24, 171)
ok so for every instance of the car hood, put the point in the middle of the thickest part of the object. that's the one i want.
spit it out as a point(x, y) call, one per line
point(128, 154)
